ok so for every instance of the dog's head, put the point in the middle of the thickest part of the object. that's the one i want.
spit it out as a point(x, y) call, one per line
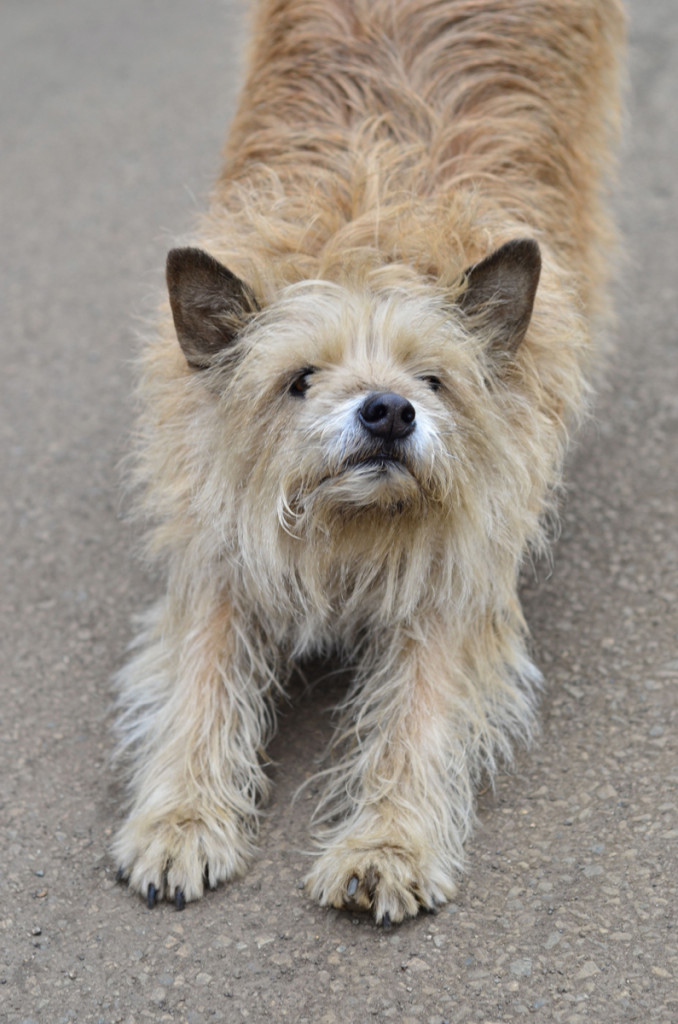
point(345, 405)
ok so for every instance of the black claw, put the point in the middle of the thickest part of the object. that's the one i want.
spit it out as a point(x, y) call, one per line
point(179, 899)
point(206, 874)
point(352, 886)
point(120, 875)
point(386, 922)
point(151, 896)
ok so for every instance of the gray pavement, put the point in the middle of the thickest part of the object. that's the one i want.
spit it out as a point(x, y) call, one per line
point(112, 117)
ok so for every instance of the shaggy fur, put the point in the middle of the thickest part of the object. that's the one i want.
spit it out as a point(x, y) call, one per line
point(355, 441)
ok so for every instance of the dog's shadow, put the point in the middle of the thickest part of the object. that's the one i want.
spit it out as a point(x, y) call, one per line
point(306, 721)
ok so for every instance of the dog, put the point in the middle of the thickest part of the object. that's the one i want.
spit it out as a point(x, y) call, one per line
point(353, 422)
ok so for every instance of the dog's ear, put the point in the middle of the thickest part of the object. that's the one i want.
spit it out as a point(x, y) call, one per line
point(210, 305)
point(500, 292)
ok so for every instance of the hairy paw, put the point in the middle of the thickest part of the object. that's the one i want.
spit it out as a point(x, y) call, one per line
point(390, 881)
point(176, 857)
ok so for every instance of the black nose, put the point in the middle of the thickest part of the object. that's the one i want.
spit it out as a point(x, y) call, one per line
point(387, 415)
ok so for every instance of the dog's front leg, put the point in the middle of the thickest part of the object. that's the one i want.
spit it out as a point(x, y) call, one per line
point(194, 720)
point(399, 805)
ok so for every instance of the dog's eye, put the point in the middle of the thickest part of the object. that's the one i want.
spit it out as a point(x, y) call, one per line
point(300, 385)
point(433, 382)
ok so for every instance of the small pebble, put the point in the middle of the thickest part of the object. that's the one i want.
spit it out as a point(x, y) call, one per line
point(521, 968)
point(588, 970)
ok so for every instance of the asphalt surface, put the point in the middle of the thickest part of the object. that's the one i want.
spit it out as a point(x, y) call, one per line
point(111, 120)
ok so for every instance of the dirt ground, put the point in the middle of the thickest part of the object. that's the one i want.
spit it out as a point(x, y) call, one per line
point(112, 118)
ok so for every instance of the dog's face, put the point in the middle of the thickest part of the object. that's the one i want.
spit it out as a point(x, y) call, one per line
point(339, 405)
point(356, 393)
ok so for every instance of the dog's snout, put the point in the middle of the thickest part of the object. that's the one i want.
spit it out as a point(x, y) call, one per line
point(387, 415)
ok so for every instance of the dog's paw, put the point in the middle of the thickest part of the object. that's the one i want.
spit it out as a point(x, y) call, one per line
point(175, 858)
point(389, 881)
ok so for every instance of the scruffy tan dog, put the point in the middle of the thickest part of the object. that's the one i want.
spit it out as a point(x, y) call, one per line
point(354, 424)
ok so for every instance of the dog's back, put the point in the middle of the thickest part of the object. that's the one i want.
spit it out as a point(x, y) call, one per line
point(507, 104)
